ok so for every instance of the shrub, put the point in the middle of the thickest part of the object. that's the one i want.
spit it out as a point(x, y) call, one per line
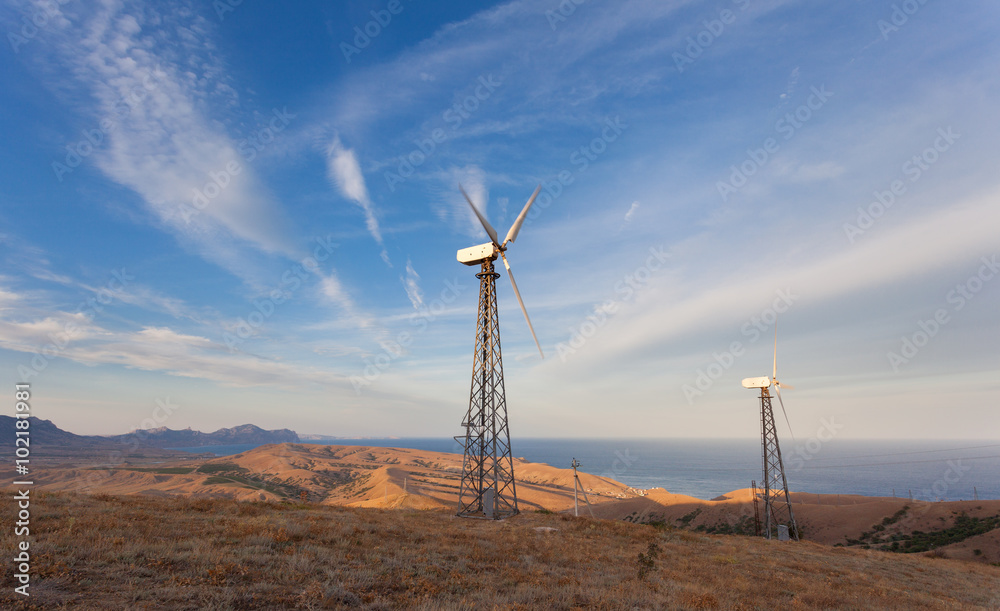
point(647, 561)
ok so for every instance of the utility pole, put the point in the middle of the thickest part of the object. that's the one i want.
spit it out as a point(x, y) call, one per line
point(578, 484)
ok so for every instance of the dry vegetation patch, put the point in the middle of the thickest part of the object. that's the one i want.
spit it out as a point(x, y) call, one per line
point(135, 552)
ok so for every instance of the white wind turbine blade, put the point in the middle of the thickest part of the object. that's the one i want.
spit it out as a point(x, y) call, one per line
point(486, 224)
point(512, 234)
point(774, 372)
point(521, 303)
point(777, 389)
point(778, 385)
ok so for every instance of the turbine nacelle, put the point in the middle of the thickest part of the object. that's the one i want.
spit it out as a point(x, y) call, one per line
point(474, 255)
point(762, 382)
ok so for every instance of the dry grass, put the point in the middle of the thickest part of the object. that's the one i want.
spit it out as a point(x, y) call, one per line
point(137, 552)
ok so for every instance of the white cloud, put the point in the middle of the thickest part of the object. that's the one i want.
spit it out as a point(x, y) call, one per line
point(331, 288)
point(120, 284)
point(36, 334)
point(187, 170)
point(412, 284)
point(345, 172)
point(31, 325)
point(631, 212)
point(147, 298)
point(793, 81)
point(163, 350)
point(167, 336)
point(671, 307)
point(158, 349)
point(8, 299)
point(154, 78)
point(797, 172)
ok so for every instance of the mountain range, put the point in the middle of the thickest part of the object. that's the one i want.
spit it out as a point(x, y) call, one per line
point(48, 439)
point(163, 437)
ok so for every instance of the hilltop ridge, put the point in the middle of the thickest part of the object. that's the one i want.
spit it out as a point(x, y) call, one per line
point(164, 437)
point(54, 442)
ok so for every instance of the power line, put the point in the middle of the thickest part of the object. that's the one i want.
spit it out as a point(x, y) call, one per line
point(908, 462)
point(996, 445)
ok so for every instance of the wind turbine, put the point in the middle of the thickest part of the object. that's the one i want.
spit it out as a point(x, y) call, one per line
point(487, 489)
point(778, 516)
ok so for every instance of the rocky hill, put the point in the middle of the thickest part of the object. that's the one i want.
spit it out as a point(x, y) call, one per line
point(45, 433)
point(245, 433)
point(48, 441)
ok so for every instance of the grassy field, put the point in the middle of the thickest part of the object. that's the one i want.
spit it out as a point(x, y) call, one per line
point(135, 552)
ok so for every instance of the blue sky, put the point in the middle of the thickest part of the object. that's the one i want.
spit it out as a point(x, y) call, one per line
point(250, 213)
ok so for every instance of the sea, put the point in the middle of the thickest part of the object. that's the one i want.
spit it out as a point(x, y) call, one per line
point(706, 468)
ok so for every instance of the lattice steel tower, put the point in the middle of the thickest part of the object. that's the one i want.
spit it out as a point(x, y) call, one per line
point(777, 506)
point(487, 488)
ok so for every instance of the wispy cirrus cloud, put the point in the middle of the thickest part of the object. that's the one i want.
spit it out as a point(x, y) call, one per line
point(79, 338)
point(153, 86)
point(345, 172)
point(331, 288)
point(458, 50)
point(949, 240)
point(412, 285)
point(160, 88)
point(128, 291)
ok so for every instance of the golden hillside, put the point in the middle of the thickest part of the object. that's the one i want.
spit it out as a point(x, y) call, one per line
point(335, 475)
point(138, 552)
point(392, 478)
